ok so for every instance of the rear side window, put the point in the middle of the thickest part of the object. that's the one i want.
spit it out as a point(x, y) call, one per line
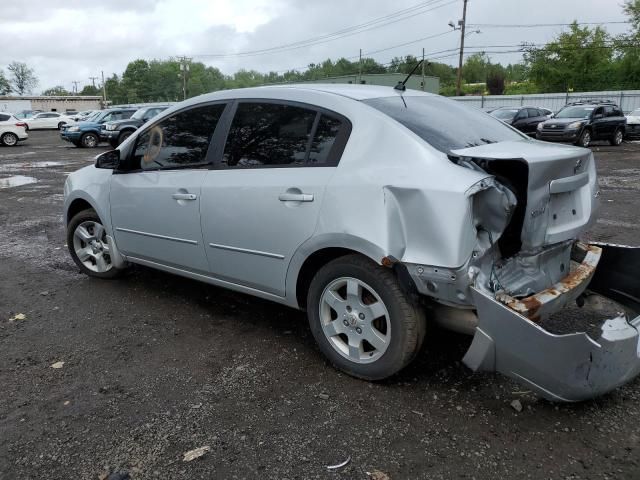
point(179, 141)
point(445, 124)
point(4, 118)
point(323, 149)
point(268, 134)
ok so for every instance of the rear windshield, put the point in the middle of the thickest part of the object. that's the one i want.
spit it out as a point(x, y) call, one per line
point(445, 124)
point(504, 114)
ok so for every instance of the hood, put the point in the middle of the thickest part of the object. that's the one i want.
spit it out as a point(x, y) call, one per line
point(555, 186)
point(126, 121)
point(563, 122)
point(633, 119)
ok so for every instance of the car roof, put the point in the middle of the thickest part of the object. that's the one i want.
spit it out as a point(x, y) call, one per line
point(356, 92)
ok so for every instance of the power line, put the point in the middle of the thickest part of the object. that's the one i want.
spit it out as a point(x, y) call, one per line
point(536, 25)
point(346, 32)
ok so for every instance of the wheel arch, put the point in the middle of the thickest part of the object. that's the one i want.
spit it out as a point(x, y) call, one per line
point(76, 206)
point(317, 252)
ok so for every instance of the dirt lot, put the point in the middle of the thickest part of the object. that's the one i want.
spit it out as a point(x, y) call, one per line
point(156, 365)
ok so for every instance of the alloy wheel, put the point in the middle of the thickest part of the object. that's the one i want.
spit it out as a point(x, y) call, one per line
point(91, 246)
point(355, 320)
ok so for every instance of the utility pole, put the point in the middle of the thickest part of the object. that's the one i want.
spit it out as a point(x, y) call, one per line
point(360, 68)
point(75, 86)
point(104, 88)
point(423, 69)
point(93, 81)
point(462, 23)
point(184, 68)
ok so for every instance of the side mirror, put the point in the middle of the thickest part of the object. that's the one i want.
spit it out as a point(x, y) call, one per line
point(108, 160)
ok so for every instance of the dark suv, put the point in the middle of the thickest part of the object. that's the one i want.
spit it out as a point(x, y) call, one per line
point(583, 122)
point(118, 131)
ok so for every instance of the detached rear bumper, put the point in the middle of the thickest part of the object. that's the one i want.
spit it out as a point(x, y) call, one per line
point(569, 367)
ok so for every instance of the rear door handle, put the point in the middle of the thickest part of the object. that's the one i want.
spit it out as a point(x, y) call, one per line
point(295, 197)
point(184, 196)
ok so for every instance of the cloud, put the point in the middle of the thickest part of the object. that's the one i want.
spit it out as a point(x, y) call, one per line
point(78, 39)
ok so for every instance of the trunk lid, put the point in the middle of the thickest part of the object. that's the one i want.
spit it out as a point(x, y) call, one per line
point(561, 187)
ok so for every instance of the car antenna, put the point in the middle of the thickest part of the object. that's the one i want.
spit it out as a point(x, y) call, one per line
point(402, 85)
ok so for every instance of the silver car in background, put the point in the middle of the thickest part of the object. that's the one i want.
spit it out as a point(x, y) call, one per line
point(377, 211)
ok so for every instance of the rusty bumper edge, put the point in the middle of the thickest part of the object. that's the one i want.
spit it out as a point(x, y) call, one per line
point(571, 367)
point(560, 294)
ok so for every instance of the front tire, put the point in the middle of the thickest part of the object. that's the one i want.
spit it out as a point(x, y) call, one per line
point(123, 136)
point(362, 320)
point(88, 245)
point(617, 138)
point(89, 140)
point(585, 139)
point(9, 139)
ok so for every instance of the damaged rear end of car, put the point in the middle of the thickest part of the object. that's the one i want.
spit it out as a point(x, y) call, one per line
point(528, 264)
point(536, 266)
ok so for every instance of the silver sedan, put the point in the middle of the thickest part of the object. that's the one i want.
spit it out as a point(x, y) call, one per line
point(378, 211)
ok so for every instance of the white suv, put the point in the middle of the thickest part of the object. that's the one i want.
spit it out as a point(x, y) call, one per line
point(12, 130)
point(378, 211)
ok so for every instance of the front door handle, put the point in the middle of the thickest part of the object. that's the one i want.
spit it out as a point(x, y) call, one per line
point(184, 196)
point(295, 197)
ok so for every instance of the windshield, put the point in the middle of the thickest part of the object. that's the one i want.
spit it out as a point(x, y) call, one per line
point(139, 113)
point(445, 124)
point(504, 114)
point(575, 112)
point(93, 116)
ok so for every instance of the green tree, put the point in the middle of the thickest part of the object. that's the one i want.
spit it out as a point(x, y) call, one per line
point(496, 80)
point(476, 67)
point(22, 78)
point(5, 86)
point(90, 90)
point(57, 91)
point(580, 60)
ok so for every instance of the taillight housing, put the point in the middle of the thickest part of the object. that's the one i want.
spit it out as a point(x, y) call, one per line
point(21, 124)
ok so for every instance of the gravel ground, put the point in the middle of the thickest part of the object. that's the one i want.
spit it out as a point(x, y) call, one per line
point(157, 365)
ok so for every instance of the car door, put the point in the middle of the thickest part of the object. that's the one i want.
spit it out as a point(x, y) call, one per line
point(534, 117)
point(155, 197)
point(261, 200)
point(599, 123)
point(520, 120)
point(38, 121)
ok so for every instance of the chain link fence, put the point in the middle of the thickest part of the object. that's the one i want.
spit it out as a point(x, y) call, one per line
point(628, 100)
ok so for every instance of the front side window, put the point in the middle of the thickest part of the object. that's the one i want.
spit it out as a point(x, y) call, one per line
point(533, 112)
point(268, 134)
point(4, 118)
point(179, 141)
point(443, 123)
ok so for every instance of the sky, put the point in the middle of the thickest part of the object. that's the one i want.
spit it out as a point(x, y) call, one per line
point(76, 39)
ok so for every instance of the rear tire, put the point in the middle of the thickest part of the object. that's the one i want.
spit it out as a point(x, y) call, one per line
point(88, 246)
point(89, 140)
point(9, 139)
point(617, 138)
point(362, 320)
point(60, 125)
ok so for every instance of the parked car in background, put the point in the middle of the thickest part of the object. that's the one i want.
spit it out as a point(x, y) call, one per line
point(117, 131)
point(80, 116)
point(86, 133)
point(26, 114)
point(525, 119)
point(48, 120)
point(632, 131)
point(582, 122)
point(374, 210)
point(12, 130)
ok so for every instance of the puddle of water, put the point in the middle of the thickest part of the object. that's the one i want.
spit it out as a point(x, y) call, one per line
point(18, 166)
point(16, 181)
